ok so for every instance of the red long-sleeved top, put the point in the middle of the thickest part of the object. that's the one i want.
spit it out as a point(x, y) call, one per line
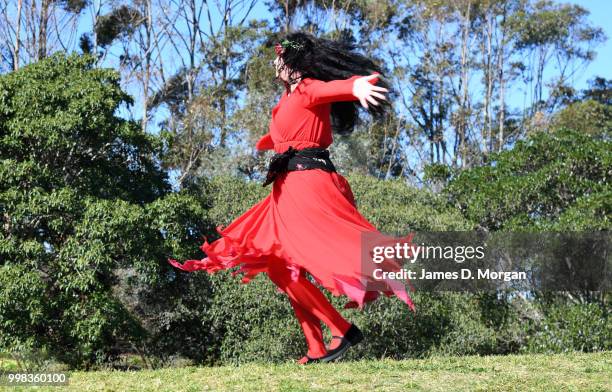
point(302, 119)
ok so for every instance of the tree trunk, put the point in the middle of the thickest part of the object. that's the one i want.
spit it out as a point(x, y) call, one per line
point(464, 84)
point(502, 85)
point(489, 82)
point(502, 111)
point(224, 68)
point(17, 30)
point(147, 70)
point(42, 32)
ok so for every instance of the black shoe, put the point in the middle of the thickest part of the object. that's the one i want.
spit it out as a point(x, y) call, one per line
point(350, 338)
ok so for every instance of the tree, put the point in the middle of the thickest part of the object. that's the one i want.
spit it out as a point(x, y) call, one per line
point(86, 217)
point(553, 181)
point(203, 94)
point(548, 31)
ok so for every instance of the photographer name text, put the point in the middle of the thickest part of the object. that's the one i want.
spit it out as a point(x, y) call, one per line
point(424, 274)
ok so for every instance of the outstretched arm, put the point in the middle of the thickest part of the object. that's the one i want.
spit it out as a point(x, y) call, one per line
point(356, 87)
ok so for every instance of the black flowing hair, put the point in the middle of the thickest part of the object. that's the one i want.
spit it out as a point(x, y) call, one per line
point(325, 59)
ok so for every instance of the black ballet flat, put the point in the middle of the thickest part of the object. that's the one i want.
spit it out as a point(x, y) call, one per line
point(350, 338)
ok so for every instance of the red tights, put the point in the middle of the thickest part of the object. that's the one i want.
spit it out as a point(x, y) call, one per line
point(310, 306)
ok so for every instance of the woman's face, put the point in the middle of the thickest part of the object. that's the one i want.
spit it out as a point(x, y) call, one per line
point(282, 72)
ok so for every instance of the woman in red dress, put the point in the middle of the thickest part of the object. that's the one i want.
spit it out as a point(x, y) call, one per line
point(309, 222)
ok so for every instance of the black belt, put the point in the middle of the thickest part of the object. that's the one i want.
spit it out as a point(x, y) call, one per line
point(292, 159)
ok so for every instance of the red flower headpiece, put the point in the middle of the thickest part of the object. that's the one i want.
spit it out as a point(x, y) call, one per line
point(278, 49)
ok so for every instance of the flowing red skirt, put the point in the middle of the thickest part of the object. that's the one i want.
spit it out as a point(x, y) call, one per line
point(309, 221)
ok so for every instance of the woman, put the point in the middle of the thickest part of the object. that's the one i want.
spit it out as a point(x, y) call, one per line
point(309, 222)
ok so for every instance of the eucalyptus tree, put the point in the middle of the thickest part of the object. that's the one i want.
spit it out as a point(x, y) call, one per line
point(30, 30)
point(547, 33)
point(208, 47)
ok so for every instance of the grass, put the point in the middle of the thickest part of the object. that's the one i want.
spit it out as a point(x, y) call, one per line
point(559, 372)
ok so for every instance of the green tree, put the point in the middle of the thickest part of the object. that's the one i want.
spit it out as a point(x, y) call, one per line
point(86, 217)
point(553, 181)
point(554, 31)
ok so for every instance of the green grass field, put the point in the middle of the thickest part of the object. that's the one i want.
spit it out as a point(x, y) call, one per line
point(563, 372)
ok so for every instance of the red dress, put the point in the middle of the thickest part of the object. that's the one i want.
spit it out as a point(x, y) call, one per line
point(309, 220)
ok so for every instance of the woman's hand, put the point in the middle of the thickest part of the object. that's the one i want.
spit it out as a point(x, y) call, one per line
point(366, 91)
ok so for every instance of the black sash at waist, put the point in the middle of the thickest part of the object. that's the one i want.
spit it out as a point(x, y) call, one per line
point(292, 159)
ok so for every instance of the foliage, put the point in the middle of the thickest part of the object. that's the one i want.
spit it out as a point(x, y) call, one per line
point(549, 182)
point(568, 327)
point(82, 198)
point(119, 22)
point(589, 116)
